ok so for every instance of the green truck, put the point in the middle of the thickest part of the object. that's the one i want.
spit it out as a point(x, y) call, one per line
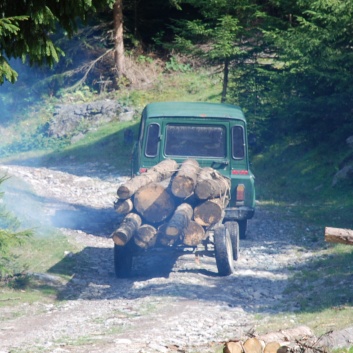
point(216, 136)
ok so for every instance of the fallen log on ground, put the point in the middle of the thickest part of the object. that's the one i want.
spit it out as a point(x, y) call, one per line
point(184, 182)
point(210, 212)
point(211, 184)
point(339, 235)
point(127, 229)
point(161, 171)
point(179, 221)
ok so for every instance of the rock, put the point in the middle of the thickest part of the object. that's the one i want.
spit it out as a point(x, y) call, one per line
point(69, 119)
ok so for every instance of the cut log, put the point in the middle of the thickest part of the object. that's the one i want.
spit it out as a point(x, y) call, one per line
point(233, 347)
point(161, 171)
point(194, 234)
point(127, 229)
point(180, 220)
point(154, 202)
point(288, 335)
point(272, 347)
point(123, 207)
point(339, 235)
point(164, 239)
point(210, 212)
point(253, 345)
point(146, 236)
point(211, 184)
point(184, 182)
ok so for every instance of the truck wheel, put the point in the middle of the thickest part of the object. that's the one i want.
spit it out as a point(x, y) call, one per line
point(223, 251)
point(123, 256)
point(233, 229)
point(242, 228)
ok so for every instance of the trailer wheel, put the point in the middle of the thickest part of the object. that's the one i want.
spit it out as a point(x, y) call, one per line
point(223, 251)
point(123, 256)
point(242, 228)
point(233, 229)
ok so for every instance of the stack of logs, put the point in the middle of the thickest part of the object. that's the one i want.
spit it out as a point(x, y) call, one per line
point(171, 204)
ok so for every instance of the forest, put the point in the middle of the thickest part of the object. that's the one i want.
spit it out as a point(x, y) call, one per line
point(288, 64)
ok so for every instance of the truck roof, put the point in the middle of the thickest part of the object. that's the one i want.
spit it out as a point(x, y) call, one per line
point(193, 109)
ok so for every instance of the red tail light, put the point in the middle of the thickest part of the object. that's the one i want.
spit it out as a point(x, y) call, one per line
point(240, 172)
point(142, 170)
point(240, 192)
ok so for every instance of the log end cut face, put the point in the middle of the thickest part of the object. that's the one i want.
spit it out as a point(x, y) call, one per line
point(154, 203)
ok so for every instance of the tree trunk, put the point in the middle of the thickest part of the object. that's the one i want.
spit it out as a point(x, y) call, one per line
point(154, 202)
point(339, 235)
point(225, 80)
point(184, 182)
point(210, 212)
point(123, 207)
point(179, 221)
point(127, 229)
point(119, 55)
point(211, 184)
point(146, 236)
point(161, 171)
point(193, 234)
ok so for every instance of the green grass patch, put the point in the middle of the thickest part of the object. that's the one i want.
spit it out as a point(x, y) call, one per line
point(300, 176)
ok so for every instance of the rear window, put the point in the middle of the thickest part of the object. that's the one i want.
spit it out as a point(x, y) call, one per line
point(152, 143)
point(195, 141)
point(238, 151)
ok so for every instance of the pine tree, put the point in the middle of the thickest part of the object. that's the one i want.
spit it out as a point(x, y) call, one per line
point(27, 26)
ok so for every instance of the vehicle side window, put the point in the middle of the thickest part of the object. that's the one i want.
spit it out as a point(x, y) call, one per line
point(238, 151)
point(152, 143)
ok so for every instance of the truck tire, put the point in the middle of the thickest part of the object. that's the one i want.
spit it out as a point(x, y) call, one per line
point(123, 256)
point(242, 228)
point(223, 251)
point(233, 229)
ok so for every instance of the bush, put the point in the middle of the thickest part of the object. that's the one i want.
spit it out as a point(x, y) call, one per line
point(9, 235)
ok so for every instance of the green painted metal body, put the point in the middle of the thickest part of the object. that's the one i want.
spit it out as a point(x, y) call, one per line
point(188, 123)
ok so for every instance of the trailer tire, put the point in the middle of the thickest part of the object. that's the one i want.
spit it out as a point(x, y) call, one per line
point(123, 256)
point(223, 251)
point(233, 229)
point(242, 228)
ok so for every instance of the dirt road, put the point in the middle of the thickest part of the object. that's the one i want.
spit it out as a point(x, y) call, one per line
point(175, 301)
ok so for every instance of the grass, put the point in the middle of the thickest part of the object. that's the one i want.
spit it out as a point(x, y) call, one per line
point(292, 179)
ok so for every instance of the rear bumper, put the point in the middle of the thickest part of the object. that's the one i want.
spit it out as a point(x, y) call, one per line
point(239, 213)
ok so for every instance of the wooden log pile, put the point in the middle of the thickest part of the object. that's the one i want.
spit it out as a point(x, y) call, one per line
point(171, 204)
point(299, 339)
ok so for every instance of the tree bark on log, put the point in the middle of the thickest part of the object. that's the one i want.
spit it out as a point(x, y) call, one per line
point(339, 235)
point(210, 212)
point(127, 229)
point(180, 220)
point(123, 207)
point(193, 234)
point(154, 202)
point(184, 182)
point(161, 171)
point(288, 335)
point(211, 184)
point(146, 236)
